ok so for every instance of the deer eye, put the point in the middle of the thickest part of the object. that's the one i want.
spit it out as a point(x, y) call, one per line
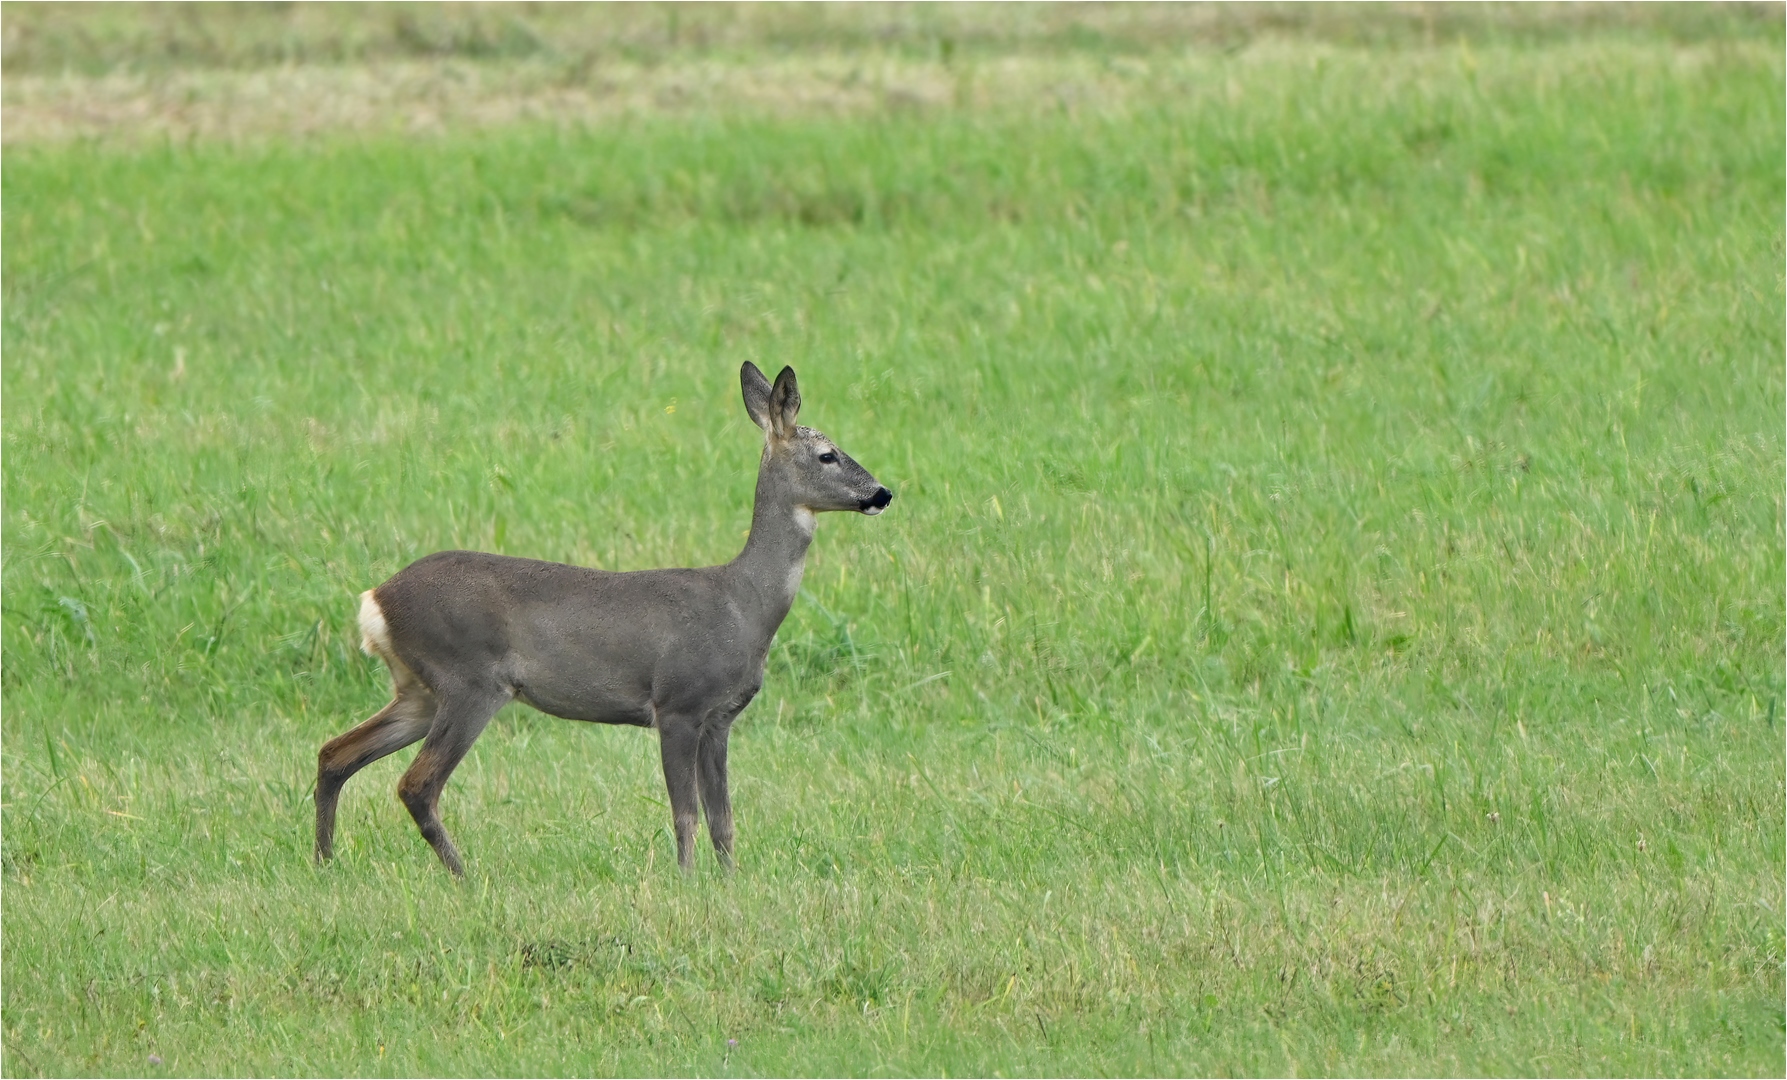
point(828, 458)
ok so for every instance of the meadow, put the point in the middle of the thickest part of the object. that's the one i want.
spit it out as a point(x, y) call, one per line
point(1331, 620)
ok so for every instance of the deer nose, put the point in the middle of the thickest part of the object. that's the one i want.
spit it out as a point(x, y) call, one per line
point(877, 502)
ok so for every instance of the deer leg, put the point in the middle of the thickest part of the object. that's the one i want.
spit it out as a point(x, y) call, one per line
point(678, 741)
point(387, 731)
point(715, 797)
point(457, 724)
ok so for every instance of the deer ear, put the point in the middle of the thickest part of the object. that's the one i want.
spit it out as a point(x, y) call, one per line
point(757, 392)
point(784, 403)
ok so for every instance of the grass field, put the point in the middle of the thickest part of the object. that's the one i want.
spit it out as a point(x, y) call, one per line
point(1331, 622)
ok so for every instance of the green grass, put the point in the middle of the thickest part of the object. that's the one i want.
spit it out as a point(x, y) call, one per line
point(49, 38)
point(1332, 619)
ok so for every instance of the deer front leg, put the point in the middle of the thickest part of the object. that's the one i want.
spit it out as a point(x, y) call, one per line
point(678, 741)
point(716, 798)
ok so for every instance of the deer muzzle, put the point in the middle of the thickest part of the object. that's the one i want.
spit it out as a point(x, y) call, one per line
point(877, 502)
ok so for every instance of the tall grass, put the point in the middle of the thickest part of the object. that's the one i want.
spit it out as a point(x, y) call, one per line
point(1332, 620)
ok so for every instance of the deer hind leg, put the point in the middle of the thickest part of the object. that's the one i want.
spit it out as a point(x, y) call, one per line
point(387, 731)
point(458, 722)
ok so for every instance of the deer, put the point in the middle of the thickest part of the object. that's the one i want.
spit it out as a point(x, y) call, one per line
point(681, 651)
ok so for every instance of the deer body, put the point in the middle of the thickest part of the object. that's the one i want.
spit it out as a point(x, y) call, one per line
point(678, 650)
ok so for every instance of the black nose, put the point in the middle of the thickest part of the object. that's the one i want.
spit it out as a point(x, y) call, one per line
point(880, 499)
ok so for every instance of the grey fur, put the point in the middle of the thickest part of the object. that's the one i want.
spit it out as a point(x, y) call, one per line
point(682, 650)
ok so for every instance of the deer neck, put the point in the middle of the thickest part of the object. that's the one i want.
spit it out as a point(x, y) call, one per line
point(769, 568)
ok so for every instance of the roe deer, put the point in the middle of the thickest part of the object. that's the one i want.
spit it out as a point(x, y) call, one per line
point(678, 650)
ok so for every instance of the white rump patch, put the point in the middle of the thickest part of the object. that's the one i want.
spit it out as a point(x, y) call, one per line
point(375, 636)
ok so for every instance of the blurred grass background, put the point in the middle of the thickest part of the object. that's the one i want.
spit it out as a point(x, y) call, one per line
point(1332, 621)
point(92, 39)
